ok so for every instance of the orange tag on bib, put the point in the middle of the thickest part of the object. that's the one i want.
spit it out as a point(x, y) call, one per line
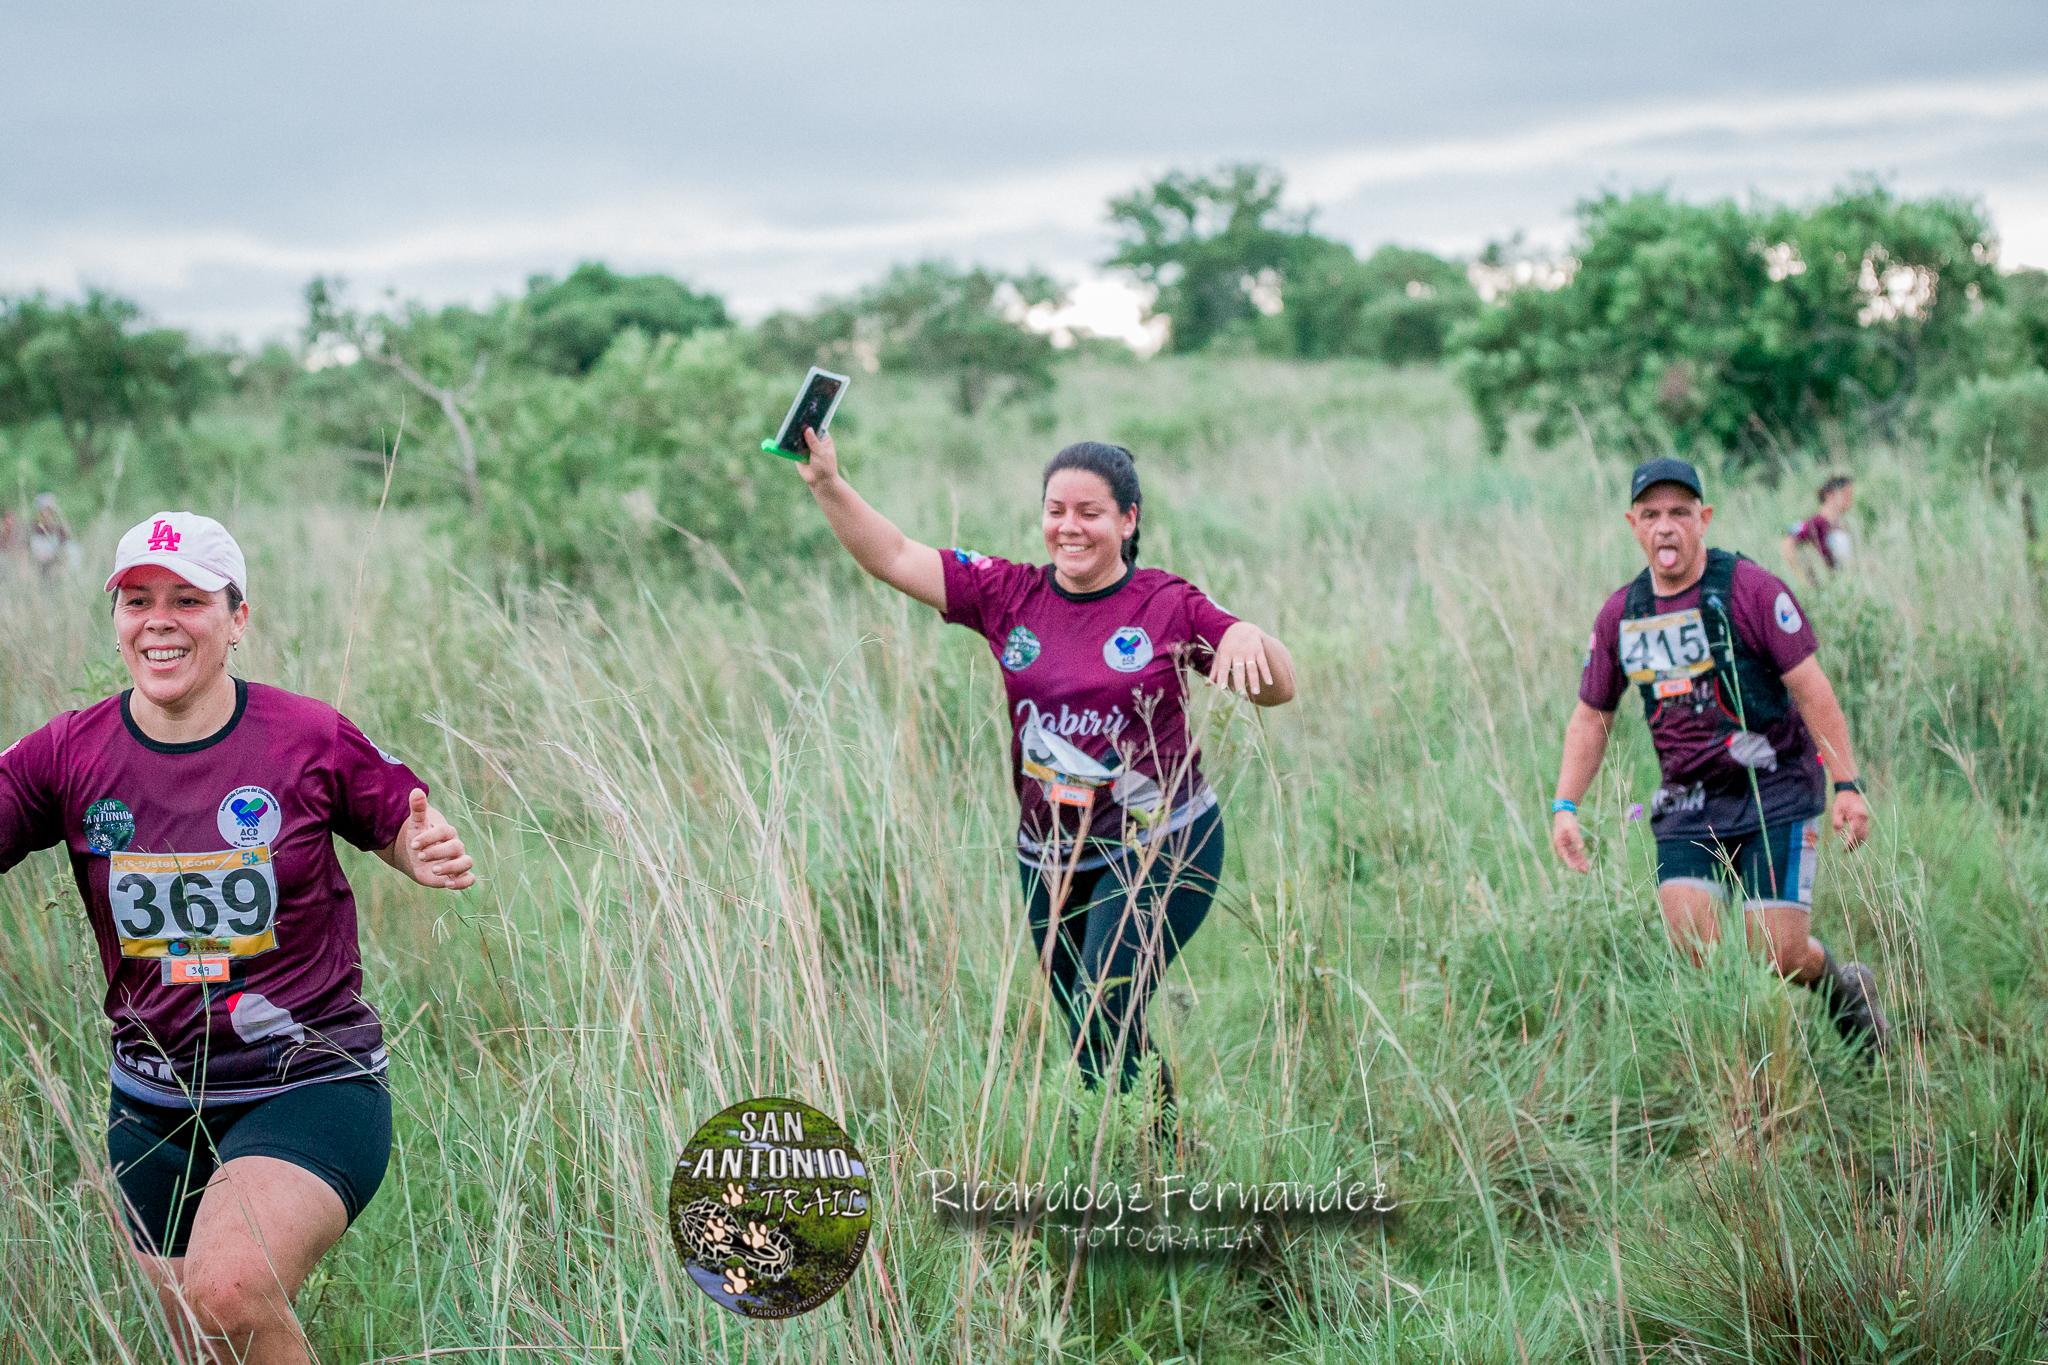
point(1069, 794)
point(192, 971)
point(1673, 687)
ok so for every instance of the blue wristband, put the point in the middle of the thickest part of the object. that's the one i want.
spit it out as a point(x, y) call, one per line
point(1559, 805)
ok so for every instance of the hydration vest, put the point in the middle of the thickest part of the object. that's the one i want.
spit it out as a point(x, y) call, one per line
point(1696, 658)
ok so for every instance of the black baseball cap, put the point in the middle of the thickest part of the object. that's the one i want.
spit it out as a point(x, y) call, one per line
point(1664, 469)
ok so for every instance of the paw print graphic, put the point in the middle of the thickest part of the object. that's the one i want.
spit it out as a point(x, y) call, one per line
point(736, 1281)
point(755, 1236)
point(718, 1229)
point(734, 1196)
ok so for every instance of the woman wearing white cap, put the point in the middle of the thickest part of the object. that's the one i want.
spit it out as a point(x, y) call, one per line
point(250, 1122)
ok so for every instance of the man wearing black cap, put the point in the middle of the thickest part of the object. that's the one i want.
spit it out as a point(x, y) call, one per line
point(1724, 662)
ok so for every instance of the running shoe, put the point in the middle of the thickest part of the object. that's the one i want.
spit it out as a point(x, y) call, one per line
point(1852, 1001)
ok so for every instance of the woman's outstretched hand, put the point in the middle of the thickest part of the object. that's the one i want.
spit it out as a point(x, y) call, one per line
point(1241, 664)
point(823, 466)
point(428, 850)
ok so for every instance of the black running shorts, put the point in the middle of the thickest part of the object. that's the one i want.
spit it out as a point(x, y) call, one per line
point(338, 1130)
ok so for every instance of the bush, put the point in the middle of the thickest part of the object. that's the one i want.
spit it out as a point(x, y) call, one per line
point(657, 451)
point(2000, 422)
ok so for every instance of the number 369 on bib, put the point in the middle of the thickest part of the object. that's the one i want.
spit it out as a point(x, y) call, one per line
point(179, 904)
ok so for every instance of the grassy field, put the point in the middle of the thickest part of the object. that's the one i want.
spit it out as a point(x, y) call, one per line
point(749, 835)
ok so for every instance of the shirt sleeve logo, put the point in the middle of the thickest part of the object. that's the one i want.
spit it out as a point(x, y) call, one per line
point(1788, 614)
point(249, 816)
point(972, 559)
point(1020, 650)
point(1129, 650)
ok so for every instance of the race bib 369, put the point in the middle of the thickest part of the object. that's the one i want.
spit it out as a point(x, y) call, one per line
point(194, 904)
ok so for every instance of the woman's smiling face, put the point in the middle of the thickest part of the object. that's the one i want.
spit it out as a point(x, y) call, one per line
point(1084, 531)
point(174, 637)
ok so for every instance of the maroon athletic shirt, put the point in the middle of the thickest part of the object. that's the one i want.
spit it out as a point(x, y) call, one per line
point(1097, 699)
point(1706, 791)
point(225, 927)
point(1821, 534)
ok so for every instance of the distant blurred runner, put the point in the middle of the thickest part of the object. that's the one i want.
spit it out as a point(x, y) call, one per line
point(49, 538)
point(1724, 661)
point(1823, 532)
point(249, 1121)
point(1120, 839)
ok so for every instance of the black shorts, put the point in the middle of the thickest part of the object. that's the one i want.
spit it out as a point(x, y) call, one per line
point(1776, 864)
point(162, 1157)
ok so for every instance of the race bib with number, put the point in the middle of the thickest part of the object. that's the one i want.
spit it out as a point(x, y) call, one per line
point(195, 908)
point(1668, 651)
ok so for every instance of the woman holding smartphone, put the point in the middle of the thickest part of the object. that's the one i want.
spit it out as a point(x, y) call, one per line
point(1119, 838)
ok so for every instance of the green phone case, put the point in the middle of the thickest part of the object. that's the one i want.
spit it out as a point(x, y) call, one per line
point(769, 446)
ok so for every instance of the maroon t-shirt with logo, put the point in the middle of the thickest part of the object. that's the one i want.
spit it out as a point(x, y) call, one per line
point(1706, 790)
point(225, 927)
point(1097, 699)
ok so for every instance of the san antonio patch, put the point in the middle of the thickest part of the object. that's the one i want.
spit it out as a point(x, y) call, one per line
point(769, 1208)
point(1020, 649)
point(109, 826)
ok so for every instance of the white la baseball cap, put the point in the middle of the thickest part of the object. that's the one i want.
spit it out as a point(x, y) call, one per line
point(198, 547)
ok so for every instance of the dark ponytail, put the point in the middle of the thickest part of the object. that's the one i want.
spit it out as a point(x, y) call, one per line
point(1116, 467)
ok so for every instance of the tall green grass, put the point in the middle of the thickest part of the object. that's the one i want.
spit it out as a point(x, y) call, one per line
point(749, 836)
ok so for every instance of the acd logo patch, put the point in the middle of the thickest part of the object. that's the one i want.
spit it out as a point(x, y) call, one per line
point(249, 816)
point(769, 1208)
point(1129, 650)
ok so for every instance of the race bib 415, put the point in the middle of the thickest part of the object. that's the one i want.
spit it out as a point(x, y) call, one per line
point(1671, 648)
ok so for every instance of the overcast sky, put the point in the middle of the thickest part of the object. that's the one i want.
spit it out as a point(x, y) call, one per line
point(209, 158)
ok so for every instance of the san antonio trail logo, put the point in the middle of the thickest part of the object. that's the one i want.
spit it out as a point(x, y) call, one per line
point(769, 1208)
point(109, 826)
point(1020, 649)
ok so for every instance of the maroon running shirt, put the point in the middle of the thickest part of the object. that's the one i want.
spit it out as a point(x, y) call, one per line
point(1705, 790)
point(1097, 699)
point(225, 927)
point(1823, 535)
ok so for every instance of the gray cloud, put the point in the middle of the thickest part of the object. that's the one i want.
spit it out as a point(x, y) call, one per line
point(209, 159)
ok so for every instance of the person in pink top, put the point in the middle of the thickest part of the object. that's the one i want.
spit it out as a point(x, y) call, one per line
point(1119, 839)
point(249, 1122)
point(1823, 532)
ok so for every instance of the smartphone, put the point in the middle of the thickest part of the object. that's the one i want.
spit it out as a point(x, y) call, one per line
point(815, 403)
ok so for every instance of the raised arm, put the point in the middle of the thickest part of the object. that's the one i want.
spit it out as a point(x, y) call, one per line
point(871, 538)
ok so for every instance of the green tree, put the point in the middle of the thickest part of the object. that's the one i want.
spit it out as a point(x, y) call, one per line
point(1225, 257)
point(1398, 305)
point(931, 318)
point(655, 452)
point(1204, 243)
point(1739, 329)
point(93, 368)
point(442, 355)
point(571, 322)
